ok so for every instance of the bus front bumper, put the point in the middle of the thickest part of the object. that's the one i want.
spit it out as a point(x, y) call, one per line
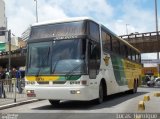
point(61, 93)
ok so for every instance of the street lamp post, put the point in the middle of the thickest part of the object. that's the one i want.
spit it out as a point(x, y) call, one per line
point(127, 28)
point(36, 12)
point(156, 16)
point(156, 20)
point(9, 56)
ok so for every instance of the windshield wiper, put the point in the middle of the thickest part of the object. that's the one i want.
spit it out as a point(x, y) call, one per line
point(68, 74)
point(43, 61)
point(55, 65)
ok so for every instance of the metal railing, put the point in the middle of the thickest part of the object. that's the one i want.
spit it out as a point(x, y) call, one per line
point(137, 35)
point(12, 89)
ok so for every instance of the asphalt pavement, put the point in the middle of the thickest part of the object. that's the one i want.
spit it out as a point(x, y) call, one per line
point(118, 106)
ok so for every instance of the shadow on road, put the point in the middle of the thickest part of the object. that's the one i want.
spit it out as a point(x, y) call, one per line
point(118, 98)
point(110, 101)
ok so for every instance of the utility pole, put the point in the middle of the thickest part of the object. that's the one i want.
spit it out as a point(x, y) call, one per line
point(36, 11)
point(9, 56)
point(156, 17)
point(156, 20)
point(127, 28)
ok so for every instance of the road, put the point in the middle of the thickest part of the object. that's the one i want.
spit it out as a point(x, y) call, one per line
point(118, 103)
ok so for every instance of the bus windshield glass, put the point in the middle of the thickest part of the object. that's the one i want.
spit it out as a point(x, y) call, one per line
point(68, 54)
point(57, 57)
point(58, 30)
point(39, 58)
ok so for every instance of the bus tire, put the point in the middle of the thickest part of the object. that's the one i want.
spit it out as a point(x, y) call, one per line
point(134, 90)
point(54, 102)
point(101, 94)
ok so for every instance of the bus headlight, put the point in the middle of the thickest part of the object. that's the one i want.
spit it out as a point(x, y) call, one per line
point(75, 91)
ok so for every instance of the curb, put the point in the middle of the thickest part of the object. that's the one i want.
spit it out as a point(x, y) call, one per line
point(17, 104)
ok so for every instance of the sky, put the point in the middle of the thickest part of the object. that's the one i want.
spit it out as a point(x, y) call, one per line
point(139, 15)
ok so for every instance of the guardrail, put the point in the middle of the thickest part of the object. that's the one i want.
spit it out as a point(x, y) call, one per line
point(137, 35)
point(12, 89)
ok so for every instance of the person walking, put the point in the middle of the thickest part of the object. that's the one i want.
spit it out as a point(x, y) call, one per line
point(2, 91)
point(18, 77)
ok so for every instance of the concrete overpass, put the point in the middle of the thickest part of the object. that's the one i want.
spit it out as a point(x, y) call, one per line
point(17, 58)
point(146, 42)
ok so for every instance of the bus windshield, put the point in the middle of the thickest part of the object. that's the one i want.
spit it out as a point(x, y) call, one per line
point(57, 57)
point(39, 58)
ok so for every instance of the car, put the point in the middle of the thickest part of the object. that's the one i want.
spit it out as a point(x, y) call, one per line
point(157, 81)
point(154, 82)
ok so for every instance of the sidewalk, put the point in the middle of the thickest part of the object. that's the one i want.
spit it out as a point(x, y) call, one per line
point(12, 99)
point(9, 101)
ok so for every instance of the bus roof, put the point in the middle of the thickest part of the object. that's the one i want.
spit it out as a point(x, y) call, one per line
point(80, 19)
point(63, 20)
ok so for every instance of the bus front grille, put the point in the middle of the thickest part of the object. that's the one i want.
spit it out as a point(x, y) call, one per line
point(43, 82)
point(59, 82)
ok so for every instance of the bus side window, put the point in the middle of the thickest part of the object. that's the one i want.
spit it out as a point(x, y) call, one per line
point(106, 41)
point(122, 50)
point(126, 51)
point(133, 56)
point(138, 57)
point(115, 45)
point(129, 54)
point(94, 59)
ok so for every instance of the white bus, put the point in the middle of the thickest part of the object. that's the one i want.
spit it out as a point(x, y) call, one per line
point(79, 59)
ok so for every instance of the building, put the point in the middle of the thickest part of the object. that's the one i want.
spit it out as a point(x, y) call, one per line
point(16, 42)
point(25, 34)
point(3, 20)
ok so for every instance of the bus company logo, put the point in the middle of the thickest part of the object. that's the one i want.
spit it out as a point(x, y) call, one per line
point(106, 60)
point(39, 79)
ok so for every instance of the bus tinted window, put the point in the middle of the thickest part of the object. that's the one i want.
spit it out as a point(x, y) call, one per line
point(94, 31)
point(126, 51)
point(137, 57)
point(122, 49)
point(129, 54)
point(115, 45)
point(106, 41)
point(58, 30)
point(133, 56)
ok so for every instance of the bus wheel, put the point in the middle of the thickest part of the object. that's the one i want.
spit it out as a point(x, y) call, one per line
point(101, 94)
point(54, 102)
point(134, 90)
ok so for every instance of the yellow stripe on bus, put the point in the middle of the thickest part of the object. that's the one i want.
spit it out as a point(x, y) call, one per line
point(42, 78)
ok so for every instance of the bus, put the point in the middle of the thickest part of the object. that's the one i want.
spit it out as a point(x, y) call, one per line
point(79, 59)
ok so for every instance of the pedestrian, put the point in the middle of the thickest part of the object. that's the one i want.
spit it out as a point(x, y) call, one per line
point(1, 86)
point(18, 77)
point(2, 91)
point(13, 73)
